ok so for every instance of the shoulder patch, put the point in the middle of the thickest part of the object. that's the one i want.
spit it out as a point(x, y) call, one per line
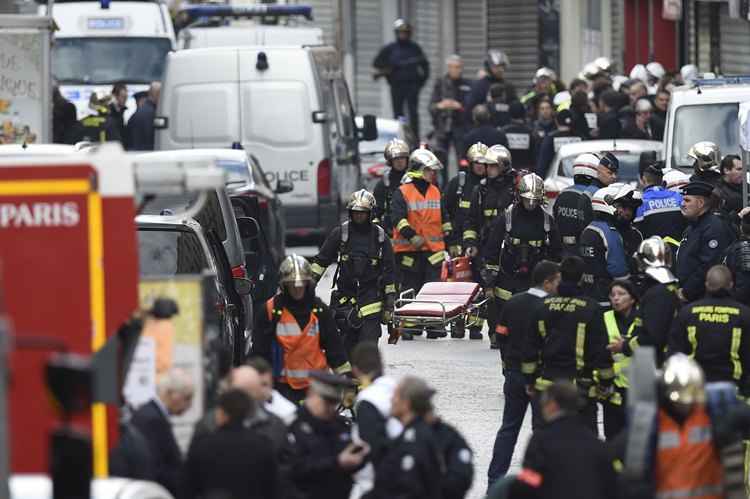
point(464, 455)
point(410, 435)
point(407, 462)
point(713, 244)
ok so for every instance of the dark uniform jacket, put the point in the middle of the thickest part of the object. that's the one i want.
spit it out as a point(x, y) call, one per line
point(457, 199)
point(383, 193)
point(731, 198)
point(516, 320)
point(603, 251)
point(154, 425)
point(551, 143)
point(404, 62)
point(481, 88)
point(658, 307)
point(565, 459)
point(313, 466)
point(118, 117)
point(141, 127)
point(488, 200)
point(233, 461)
point(568, 339)
point(715, 331)
point(702, 246)
point(660, 214)
point(521, 144)
point(573, 211)
point(738, 260)
point(457, 457)
point(412, 468)
point(487, 134)
point(446, 120)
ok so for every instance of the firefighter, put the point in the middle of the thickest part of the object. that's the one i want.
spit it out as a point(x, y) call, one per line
point(659, 303)
point(458, 193)
point(568, 341)
point(738, 259)
point(660, 214)
point(99, 126)
point(715, 331)
point(704, 241)
point(421, 225)
point(602, 247)
point(365, 281)
point(626, 201)
point(397, 157)
point(296, 332)
point(572, 210)
point(706, 162)
point(522, 236)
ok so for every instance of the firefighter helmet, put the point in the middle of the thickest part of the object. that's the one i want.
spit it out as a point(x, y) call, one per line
point(395, 149)
point(401, 25)
point(654, 257)
point(422, 159)
point(706, 155)
point(497, 57)
point(295, 270)
point(682, 381)
point(361, 200)
point(531, 190)
point(477, 153)
point(499, 155)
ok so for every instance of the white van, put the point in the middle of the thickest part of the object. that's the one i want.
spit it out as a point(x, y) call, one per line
point(705, 110)
point(289, 105)
point(100, 43)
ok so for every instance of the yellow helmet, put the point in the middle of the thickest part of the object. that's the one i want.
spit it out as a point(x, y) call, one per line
point(476, 153)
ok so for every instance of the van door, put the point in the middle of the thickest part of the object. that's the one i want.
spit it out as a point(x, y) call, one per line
point(346, 149)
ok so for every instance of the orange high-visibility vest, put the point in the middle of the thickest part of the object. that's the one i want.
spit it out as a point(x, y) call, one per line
point(687, 462)
point(302, 352)
point(424, 217)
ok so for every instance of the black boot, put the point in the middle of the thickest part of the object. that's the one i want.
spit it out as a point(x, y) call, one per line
point(475, 334)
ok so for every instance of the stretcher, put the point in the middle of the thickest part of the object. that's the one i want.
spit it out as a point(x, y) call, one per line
point(438, 305)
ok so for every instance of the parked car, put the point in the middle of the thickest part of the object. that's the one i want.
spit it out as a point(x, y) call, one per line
point(37, 486)
point(628, 152)
point(371, 156)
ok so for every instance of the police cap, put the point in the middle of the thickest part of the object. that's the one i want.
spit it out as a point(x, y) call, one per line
point(610, 162)
point(328, 385)
point(698, 188)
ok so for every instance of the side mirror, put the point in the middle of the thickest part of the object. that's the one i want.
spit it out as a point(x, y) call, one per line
point(248, 226)
point(369, 130)
point(161, 123)
point(243, 285)
point(283, 186)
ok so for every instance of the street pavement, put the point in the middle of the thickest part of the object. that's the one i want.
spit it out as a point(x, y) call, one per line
point(468, 378)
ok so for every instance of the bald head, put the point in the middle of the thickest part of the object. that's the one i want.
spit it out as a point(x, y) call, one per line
point(718, 278)
point(247, 379)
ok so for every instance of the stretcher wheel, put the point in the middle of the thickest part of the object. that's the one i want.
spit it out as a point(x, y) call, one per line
point(458, 328)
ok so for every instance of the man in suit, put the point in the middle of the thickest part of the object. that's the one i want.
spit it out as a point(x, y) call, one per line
point(174, 396)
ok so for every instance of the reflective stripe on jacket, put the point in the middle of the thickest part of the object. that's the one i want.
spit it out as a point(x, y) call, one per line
point(424, 217)
point(621, 361)
point(301, 347)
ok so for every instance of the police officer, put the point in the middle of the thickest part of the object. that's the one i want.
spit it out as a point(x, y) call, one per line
point(568, 341)
point(296, 331)
point(715, 331)
point(406, 68)
point(706, 158)
point(602, 247)
point(738, 259)
point(519, 135)
point(456, 455)
point(660, 213)
point(413, 466)
point(495, 65)
point(421, 224)
point(397, 157)
point(555, 140)
point(544, 86)
point(484, 131)
point(322, 456)
point(659, 303)
point(703, 243)
point(522, 236)
point(450, 118)
point(99, 126)
point(626, 201)
point(365, 280)
point(459, 190)
point(572, 209)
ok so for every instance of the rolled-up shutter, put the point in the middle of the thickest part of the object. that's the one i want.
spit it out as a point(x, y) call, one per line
point(427, 29)
point(513, 26)
point(368, 40)
point(735, 44)
point(618, 35)
point(324, 16)
point(471, 35)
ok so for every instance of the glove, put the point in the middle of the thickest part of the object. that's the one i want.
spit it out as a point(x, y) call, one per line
point(417, 241)
point(604, 392)
point(387, 314)
point(454, 251)
point(472, 251)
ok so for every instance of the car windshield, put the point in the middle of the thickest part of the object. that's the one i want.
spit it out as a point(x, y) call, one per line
point(717, 123)
point(628, 171)
point(167, 252)
point(237, 172)
point(99, 60)
point(377, 146)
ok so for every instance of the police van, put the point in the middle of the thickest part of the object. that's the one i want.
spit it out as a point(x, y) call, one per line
point(290, 106)
point(103, 42)
point(707, 109)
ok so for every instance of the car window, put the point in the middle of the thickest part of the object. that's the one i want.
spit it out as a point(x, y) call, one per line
point(170, 252)
point(628, 171)
point(210, 217)
point(345, 112)
point(236, 171)
point(690, 126)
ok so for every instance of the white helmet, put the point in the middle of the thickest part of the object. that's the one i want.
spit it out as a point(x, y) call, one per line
point(627, 194)
point(604, 64)
point(422, 159)
point(561, 97)
point(603, 200)
point(586, 164)
point(591, 71)
point(617, 81)
point(689, 72)
point(639, 72)
point(675, 179)
point(545, 72)
point(655, 70)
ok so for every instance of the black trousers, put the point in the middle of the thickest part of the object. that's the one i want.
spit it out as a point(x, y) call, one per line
point(406, 93)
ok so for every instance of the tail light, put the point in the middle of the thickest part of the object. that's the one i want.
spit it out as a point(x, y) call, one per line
point(376, 170)
point(324, 178)
point(551, 194)
point(263, 203)
point(239, 271)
